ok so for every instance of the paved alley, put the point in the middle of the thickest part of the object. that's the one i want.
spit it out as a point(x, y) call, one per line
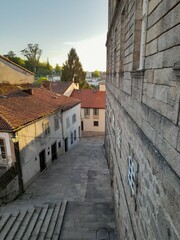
point(80, 181)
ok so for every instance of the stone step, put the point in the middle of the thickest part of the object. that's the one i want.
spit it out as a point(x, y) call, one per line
point(46, 222)
point(39, 222)
point(7, 227)
point(3, 220)
point(52, 224)
point(32, 223)
point(25, 224)
point(59, 223)
point(16, 225)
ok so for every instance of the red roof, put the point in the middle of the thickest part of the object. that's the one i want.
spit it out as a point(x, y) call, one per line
point(20, 108)
point(90, 98)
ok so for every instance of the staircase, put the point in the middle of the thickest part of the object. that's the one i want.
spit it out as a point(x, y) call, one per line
point(34, 223)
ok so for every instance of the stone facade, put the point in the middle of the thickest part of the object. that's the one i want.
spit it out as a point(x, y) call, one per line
point(143, 118)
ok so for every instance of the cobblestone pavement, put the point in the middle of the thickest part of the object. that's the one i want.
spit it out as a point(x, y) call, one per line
point(80, 177)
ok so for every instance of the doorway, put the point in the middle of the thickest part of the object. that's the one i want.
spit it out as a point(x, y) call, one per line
point(54, 151)
point(66, 144)
point(42, 160)
point(82, 126)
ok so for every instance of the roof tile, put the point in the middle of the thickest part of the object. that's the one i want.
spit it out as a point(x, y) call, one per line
point(90, 98)
point(19, 108)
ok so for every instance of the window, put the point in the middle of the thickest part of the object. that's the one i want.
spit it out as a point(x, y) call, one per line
point(132, 173)
point(2, 150)
point(95, 111)
point(96, 123)
point(74, 135)
point(86, 111)
point(67, 122)
point(56, 123)
point(71, 138)
point(59, 144)
point(74, 118)
point(46, 128)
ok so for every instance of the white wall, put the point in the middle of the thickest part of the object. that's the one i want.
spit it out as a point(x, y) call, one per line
point(88, 121)
point(73, 126)
point(70, 89)
point(13, 74)
point(32, 141)
point(8, 147)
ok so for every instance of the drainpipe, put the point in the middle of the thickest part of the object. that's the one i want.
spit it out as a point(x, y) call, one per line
point(15, 140)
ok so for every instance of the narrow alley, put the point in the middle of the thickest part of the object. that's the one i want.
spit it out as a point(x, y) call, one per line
point(72, 199)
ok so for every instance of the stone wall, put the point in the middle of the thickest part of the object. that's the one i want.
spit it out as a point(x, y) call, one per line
point(9, 188)
point(142, 119)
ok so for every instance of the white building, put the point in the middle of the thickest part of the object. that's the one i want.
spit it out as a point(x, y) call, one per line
point(63, 88)
point(92, 109)
point(36, 120)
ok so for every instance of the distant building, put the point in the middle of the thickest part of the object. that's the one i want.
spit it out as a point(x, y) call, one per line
point(92, 109)
point(64, 88)
point(88, 75)
point(142, 138)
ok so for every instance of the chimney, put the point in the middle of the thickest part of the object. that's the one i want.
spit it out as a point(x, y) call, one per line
point(28, 91)
point(46, 84)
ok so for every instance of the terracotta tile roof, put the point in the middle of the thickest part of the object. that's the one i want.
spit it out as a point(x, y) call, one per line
point(90, 98)
point(60, 87)
point(6, 88)
point(20, 108)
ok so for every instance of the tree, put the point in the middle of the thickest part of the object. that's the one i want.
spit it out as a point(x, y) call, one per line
point(58, 69)
point(96, 73)
point(11, 54)
point(33, 54)
point(72, 69)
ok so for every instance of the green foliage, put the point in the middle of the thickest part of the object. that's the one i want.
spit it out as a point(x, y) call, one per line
point(72, 69)
point(44, 69)
point(33, 53)
point(58, 69)
point(96, 73)
point(39, 81)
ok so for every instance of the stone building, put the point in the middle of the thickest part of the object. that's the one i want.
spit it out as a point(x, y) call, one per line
point(143, 118)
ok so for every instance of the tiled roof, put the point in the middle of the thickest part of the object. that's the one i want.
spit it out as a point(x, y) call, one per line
point(60, 87)
point(90, 98)
point(6, 88)
point(20, 108)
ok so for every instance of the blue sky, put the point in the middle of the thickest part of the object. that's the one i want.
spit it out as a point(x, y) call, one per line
point(57, 26)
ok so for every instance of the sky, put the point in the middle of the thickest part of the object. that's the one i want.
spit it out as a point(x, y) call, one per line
point(57, 26)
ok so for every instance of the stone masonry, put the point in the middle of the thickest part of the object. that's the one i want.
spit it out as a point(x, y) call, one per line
point(143, 117)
